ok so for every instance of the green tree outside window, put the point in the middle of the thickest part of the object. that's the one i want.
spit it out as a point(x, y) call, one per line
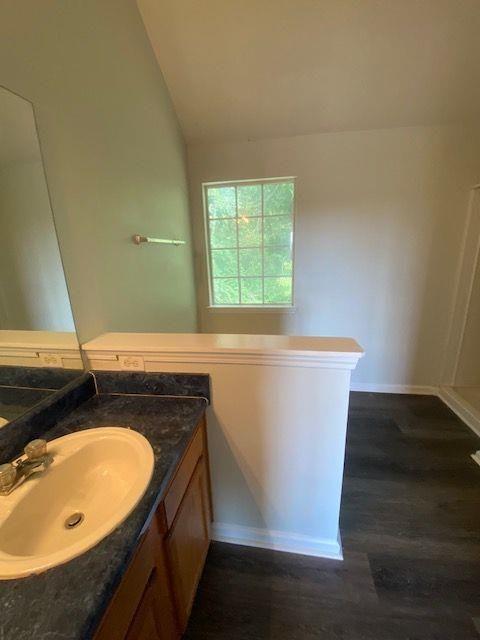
point(250, 242)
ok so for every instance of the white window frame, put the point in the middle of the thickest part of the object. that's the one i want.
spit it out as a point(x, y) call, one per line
point(261, 307)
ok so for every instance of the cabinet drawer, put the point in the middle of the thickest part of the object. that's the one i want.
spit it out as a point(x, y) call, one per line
point(181, 479)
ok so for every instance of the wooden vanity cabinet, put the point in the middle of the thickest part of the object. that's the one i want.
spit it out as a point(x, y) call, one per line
point(187, 543)
point(155, 597)
point(146, 623)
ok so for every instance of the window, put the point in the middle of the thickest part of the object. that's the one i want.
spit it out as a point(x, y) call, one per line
point(250, 242)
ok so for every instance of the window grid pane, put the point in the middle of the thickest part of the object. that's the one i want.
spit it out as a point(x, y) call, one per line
point(276, 275)
point(238, 253)
point(250, 285)
point(263, 254)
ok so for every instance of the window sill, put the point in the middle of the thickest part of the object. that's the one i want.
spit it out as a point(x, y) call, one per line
point(252, 309)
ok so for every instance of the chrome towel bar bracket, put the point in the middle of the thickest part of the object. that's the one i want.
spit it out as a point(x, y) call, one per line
point(137, 239)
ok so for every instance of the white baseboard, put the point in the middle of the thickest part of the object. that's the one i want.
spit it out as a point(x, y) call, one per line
point(461, 407)
point(372, 387)
point(277, 540)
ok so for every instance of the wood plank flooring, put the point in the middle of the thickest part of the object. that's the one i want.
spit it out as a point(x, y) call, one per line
point(410, 525)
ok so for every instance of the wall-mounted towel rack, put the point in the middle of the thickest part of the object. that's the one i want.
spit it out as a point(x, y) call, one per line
point(137, 239)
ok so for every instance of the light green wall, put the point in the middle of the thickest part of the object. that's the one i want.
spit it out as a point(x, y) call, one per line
point(114, 159)
point(33, 291)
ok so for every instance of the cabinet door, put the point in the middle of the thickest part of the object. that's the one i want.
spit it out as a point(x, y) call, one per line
point(188, 542)
point(144, 624)
point(143, 606)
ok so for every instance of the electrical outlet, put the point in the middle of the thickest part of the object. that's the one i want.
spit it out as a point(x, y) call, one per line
point(131, 363)
point(50, 359)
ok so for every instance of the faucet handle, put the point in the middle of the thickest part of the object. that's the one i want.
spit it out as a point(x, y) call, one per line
point(8, 476)
point(36, 449)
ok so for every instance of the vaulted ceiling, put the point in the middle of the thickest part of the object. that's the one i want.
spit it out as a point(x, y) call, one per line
point(246, 69)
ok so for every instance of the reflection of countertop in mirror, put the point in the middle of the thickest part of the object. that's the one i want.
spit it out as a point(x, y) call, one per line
point(40, 348)
point(49, 378)
point(15, 401)
point(21, 388)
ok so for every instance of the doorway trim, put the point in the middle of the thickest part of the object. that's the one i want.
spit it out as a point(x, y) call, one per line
point(464, 281)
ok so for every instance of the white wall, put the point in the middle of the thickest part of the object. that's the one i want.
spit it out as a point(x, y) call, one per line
point(114, 159)
point(380, 216)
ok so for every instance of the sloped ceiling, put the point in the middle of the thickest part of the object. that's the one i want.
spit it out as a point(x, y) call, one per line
point(247, 69)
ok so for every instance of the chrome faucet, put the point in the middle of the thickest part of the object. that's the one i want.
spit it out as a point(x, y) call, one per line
point(13, 474)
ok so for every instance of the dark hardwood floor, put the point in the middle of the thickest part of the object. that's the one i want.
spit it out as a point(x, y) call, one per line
point(410, 525)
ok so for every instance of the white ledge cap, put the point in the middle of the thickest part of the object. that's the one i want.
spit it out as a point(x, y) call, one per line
point(38, 340)
point(224, 347)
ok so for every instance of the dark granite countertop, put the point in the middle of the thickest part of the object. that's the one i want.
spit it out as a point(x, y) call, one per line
point(68, 601)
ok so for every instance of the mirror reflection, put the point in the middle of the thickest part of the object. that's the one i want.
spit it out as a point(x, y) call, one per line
point(39, 351)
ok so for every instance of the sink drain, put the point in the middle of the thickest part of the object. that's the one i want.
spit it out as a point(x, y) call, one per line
point(74, 520)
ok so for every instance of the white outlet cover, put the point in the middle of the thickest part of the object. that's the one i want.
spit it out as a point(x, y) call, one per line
point(131, 363)
point(50, 359)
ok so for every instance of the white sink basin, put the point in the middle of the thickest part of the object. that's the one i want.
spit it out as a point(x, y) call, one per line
point(97, 478)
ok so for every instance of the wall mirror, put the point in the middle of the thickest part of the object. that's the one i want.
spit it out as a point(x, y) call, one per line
point(39, 351)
